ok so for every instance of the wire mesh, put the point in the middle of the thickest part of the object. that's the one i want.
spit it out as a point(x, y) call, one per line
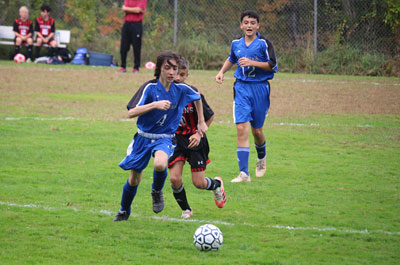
point(208, 26)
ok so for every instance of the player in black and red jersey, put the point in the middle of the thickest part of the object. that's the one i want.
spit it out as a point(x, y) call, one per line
point(191, 147)
point(23, 30)
point(45, 29)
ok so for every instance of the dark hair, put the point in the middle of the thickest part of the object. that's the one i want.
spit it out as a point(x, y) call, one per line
point(165, 56)
point(183, 63)
point(251, 14)
point(45, 7)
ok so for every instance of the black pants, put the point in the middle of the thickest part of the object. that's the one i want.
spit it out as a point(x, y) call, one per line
point(131, 35)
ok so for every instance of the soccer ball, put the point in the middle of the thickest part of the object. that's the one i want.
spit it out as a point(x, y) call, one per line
point(150, 65)
point(208, 237)
point(19, 58)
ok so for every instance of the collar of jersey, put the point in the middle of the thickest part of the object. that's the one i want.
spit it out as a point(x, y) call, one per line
point(257, 37)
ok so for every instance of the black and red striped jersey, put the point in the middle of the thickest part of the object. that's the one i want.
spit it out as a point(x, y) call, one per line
point(188, 124)
point(23, 27)
point(45, 27)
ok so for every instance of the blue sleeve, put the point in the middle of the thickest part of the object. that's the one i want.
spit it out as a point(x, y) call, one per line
point(190, 95)
point(232, 57)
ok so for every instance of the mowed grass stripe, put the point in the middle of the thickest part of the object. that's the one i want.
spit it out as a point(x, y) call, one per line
point(216, 222)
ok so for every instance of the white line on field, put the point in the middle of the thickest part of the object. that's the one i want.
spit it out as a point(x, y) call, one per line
point(221, 122)
point(39, 119)
point(192, 220)
point(337, 82)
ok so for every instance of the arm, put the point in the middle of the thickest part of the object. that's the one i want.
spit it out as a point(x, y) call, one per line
point(209, 121)
point(37, 29)
point(16, 32)
point(195, 139)
point(135, 10)
point(201, 124)
point(243, 61)
point(220, 76)
point(140, 110)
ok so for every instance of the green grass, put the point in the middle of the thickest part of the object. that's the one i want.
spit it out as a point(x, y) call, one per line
point(333, 178)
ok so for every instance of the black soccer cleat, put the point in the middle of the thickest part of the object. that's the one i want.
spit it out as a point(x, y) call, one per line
point(121, 216)
point(158, 201)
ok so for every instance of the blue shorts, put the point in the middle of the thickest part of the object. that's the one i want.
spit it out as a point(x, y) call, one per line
point(251, 102)
point(141, 149)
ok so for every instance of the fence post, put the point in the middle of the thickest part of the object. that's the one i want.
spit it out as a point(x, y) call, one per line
point(315, 29)
point(175, 22)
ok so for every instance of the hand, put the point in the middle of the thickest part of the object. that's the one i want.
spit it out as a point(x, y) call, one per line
point(162, 104)
point(194, 140)
point(243, 61)
point(202, 128)
point(219, 78)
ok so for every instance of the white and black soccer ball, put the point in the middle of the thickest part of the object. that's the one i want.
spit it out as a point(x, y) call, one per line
point(19, 58)
point(208, 237)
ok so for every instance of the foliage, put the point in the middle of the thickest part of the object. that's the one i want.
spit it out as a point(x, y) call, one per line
point(392, 15)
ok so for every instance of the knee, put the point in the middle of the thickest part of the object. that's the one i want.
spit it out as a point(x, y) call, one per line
point(159, 166)
point(200, 184)
point(134, 180)
point(259, 134)
point(30, 41)
point(18, 41)
point(242, 132)
point(176, 181)
point(39, 42)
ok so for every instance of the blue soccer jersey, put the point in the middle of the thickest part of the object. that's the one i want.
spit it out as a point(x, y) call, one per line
point(262, 50)
point(162, 121)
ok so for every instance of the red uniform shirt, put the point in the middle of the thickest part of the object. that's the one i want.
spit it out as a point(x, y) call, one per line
point(135, 17)
point(45, 27)
point(188, 124)
point(23, 27)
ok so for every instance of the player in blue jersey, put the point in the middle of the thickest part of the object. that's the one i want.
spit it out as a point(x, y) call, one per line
point(158, 104)
point(256, 64)
point(194, 149)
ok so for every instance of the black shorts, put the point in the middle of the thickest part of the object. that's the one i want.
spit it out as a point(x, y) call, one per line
point(197, 156)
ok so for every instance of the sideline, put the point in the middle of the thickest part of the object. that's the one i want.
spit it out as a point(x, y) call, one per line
point(192, 220)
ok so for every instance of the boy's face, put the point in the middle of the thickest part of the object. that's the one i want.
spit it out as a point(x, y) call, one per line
point(23, 13)
point(45, 15)
point(182, 75)
point(169, 71)
point(249, 26)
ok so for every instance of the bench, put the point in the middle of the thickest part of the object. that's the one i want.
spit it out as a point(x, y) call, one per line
point(7, 36)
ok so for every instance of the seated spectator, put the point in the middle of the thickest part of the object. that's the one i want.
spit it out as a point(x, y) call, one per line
point(23, 30)
point(45, 29)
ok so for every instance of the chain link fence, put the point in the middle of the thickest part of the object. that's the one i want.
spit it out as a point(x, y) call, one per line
point(202, 30)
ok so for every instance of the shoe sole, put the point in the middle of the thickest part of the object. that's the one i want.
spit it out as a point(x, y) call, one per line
point(259, 175)
point(241, 180)
point(221, 204)
point(186, 217)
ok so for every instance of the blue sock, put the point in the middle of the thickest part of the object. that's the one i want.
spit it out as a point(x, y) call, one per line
point(128, 193)
point(243, 159)
point(159, 179)
point(260, 150)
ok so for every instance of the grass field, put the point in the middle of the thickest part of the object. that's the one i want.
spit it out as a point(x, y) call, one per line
point(331, 194)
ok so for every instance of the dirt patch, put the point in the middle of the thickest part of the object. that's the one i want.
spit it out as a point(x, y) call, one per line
point(293, 97)
point(24, 88)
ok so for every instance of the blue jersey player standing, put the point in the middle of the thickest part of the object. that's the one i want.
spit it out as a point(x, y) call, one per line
point(158, 104)
point(256, 64)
